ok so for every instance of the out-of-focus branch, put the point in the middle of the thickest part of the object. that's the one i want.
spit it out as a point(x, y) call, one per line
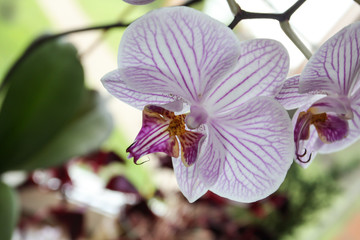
point(285, 16)
point(234, 7)
point(285, 26)
point(45, 38)
point(283, 19)
point(42, 39)
point(191, 2)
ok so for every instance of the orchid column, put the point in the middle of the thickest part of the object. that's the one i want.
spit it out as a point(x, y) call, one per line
point(207, 101)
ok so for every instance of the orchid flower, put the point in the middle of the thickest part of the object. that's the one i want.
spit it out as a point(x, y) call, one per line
point(207, 101)
point(327, 96)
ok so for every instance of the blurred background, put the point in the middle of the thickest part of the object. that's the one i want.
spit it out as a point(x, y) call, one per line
point(64, 171)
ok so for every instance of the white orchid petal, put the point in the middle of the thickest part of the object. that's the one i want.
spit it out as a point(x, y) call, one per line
point(114, 83)
point(257, 141)
point(334, 68)
point(211, 158)
point(261, 70)
point(290, 97)
point(188, 180)
point(176, 50)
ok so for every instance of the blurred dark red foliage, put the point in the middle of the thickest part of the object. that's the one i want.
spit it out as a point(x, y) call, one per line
point(121, 184)
point(101, 158)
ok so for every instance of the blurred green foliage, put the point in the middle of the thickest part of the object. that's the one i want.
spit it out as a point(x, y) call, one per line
point(138, 175)
point(20, 22)
point(47, 115)
point(8, 211)
point(109, 11)
point(304, 194)
point(44, 92)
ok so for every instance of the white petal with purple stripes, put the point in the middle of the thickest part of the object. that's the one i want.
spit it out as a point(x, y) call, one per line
point(188, 180)
point(257, 139)
point(334, 68)
point(176, 50)
point(210, 161)
point(290, 97)
point(115, 85)
point(261, 70)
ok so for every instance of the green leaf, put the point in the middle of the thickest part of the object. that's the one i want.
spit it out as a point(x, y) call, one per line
point(8, 211)
point(45, 91)
point(84, 133)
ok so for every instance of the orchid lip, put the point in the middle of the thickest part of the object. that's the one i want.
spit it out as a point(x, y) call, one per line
point(301, 132)
point(300, 156)
point(330, 128)
point(163, 131)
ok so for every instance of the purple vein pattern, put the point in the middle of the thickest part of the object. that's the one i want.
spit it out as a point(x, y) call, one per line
point(261, 69)
point(117, 87)
point(179, 54)
point(332, 77)
point(290, 97)
point(255, 147)
point(335, 66)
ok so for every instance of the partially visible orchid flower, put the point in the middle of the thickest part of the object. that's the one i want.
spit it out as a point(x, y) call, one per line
point(138, 2)
point(207, 101)
point(328, 97)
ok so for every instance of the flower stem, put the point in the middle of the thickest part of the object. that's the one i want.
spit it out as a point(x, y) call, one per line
point(45, 38)
point(285, 26)
point(285, 16)
point(234, 7)
point(283, 19)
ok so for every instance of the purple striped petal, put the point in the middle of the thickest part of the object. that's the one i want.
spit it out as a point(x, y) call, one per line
point(138, 2)
point(190, 144)
point(188, 180)
point(261, 70)
point(210, 161)
point(154, 135)
point(334, 68)
point(176, 50)
point(257, 142)
point(290, 97)
point(113, 82)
